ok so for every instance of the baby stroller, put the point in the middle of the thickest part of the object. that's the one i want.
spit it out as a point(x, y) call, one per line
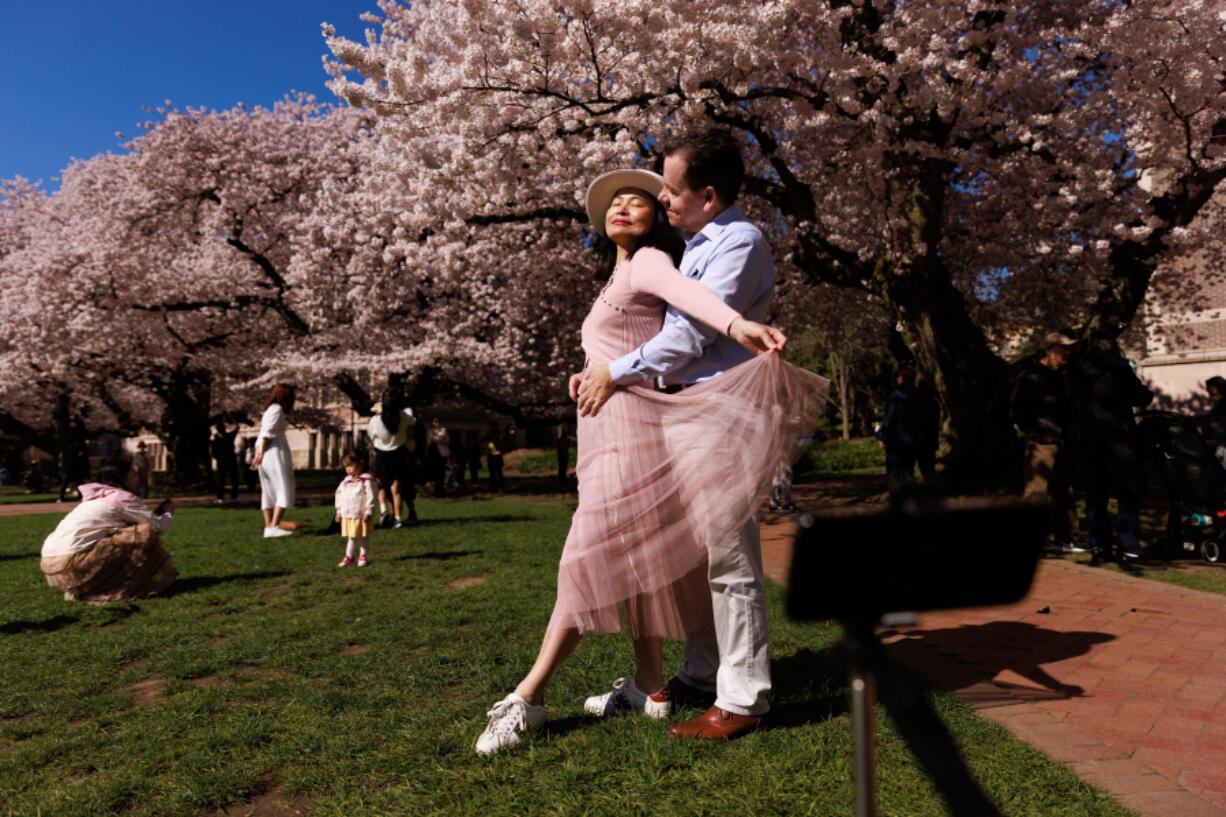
point(1178, 459)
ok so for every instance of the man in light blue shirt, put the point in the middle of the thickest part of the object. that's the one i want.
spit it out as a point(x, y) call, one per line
point(702, 177)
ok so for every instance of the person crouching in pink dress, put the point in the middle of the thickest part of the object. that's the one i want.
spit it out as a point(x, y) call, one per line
point(654, 479)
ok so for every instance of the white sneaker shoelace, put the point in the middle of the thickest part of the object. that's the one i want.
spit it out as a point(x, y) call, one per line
point(508, 720)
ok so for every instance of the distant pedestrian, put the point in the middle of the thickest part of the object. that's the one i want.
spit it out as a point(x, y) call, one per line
point(72, 465)
point(781, 490)
point(1213, 426)
point(32, 479)
point(1039, 407)
point(140, 463)
point(1104, 392)
point(908, 433)
point(455, 465)
point(355, 509)
point(221, 447)
point(250, 477)
point(392, 435)
point(472, 453)
point(274, 461)
point(438, 451)
point(493, 456)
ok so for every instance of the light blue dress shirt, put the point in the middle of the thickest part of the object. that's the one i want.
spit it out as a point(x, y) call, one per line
point(731, 258)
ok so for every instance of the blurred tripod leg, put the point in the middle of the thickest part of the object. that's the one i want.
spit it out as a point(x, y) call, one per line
point(928, 738)
point(863, 697)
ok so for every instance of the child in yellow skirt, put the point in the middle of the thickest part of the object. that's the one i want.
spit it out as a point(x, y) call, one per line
point(355, 508)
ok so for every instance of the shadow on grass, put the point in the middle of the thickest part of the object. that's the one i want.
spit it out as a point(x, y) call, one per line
point(504, 517)
point(10, 557)
point(45, 626)
point(808, 687)
point(114, 613)
point(436, 555)
point(193, 583)
point(564, 726)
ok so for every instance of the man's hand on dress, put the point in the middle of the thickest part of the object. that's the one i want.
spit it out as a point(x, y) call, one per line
point(595, 390)
point(757, 337)
point(572, 386)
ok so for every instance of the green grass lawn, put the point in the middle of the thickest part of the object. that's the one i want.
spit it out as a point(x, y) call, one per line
point(266, 672)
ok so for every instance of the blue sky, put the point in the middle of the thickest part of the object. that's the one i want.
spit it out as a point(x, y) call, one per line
point(80, 70)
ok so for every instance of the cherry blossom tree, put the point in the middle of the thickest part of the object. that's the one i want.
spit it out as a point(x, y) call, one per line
point(976, 166)
point(156, 282)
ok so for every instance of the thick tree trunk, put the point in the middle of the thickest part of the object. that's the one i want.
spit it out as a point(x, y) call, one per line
point(978, 447)
point(185, 426)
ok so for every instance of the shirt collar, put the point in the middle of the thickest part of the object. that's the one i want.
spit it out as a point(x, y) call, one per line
point(715, 226)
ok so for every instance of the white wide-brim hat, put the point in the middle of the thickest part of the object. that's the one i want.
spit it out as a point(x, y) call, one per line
point(601, 192)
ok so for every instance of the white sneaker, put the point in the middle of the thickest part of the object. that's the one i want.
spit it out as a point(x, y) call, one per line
point(273, 533)
point(627, 697)
point(509, 719)
point(1066, 547)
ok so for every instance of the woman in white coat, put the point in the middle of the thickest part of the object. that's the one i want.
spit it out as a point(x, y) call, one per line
point(273, 460)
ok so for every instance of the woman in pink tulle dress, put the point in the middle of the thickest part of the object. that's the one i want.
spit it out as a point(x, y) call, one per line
point(657, 475)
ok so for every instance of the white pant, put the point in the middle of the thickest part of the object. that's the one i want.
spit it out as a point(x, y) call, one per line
point(735, 659)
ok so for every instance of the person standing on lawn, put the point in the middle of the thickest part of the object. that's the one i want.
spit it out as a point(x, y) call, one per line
point(391, 433)
point(703, 173)
point(438, 452)
point(656, 479)
point(493, 457)
point(221, 446)
point(140, 462)
point(1039, 407)
point(273, 460)
point(355, 508)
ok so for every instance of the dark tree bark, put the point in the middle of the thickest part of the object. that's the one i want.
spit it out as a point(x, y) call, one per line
point(188, 394)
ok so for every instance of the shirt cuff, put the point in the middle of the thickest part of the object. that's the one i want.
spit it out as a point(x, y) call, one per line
point(623, 373)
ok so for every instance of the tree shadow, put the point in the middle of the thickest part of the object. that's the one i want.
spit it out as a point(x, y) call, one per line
point(436, 555)
point(45, 626)
point(192, 584)
point(115, 612)
point(957, 658)
point(808, 687)
point(505, 517)
point(10, 557)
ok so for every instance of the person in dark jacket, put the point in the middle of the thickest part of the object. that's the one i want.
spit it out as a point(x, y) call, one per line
point(1104, 392)
point(1039, 407)
point(908, 433)
point(1213, 426)
point(221, 447)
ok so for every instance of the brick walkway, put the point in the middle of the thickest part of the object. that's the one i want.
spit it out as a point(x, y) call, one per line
point(1122, 679)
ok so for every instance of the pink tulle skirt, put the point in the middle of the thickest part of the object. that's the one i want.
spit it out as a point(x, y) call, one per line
point(660, 476)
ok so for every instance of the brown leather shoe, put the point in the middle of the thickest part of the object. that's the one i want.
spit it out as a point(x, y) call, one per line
point(682, 694)
point(717, 724)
